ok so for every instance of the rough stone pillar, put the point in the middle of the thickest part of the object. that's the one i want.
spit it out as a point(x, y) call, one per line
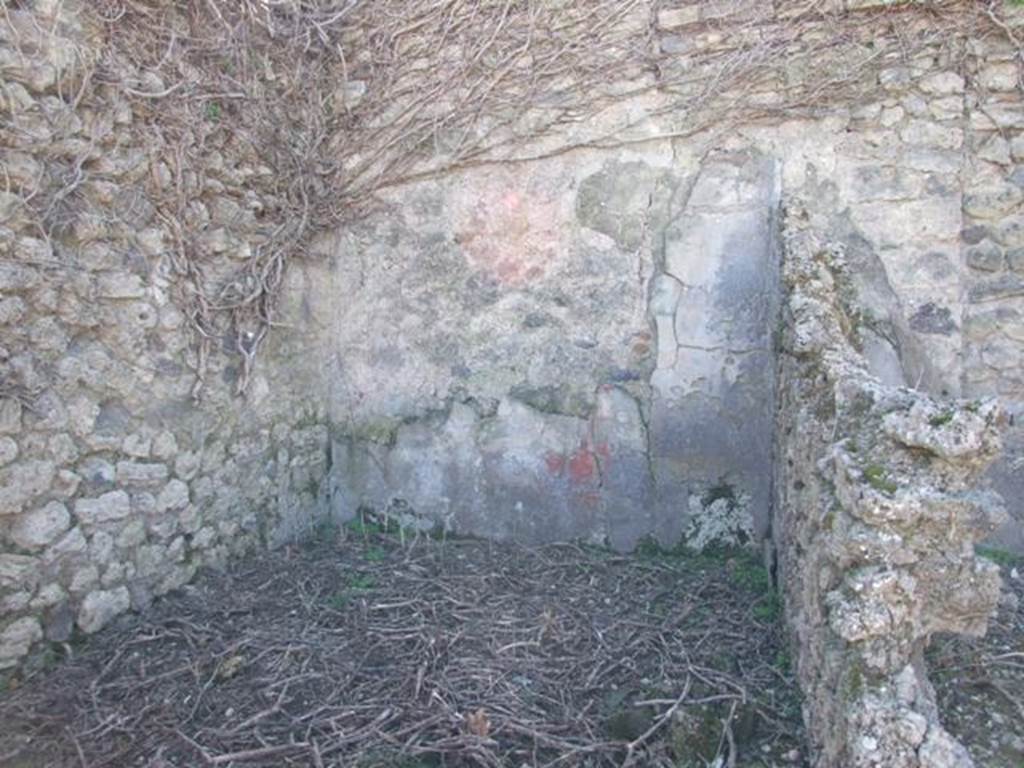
point(875, 523)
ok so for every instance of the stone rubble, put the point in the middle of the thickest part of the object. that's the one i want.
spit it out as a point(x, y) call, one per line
point(876, 519)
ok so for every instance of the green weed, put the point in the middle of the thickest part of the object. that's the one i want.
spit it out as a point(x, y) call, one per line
point(999, 556)
point(878, 478)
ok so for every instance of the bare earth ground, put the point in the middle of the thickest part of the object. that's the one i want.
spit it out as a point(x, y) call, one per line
point(364, 650)
point(980, 682)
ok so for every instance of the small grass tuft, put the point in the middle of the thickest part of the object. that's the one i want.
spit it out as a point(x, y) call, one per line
point(999, 556)
point(878, 478)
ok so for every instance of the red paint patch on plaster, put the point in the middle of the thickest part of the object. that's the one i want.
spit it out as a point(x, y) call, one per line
point(509, 227)
point(582, 465)
point(555, 462)
point(590, 498)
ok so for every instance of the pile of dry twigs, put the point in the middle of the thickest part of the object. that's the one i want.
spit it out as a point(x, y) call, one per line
point(374, 652)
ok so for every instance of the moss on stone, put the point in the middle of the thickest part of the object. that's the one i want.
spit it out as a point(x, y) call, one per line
point(878, 478)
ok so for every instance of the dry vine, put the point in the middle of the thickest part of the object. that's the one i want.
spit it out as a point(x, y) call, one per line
point(332, 100)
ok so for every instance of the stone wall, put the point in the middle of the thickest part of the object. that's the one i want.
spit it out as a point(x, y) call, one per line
point(116, 484)
point(574, 335)
point(526, 294)
point(876, 516)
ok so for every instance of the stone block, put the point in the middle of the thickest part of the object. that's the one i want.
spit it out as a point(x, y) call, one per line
point(1015, 259)
point(986, 257)
point(174, 496)
point(932, 319)
point(1009, 232)
point(165, 446)
point(8, 451)
point(18, 572)
point(22, 482)
point(115, 505)
point(10, 416)
point(137, 474)
point(36, 529)
point(1017, 148)
point(999, 76)
point(12, 310)
point(996, 149)
point(99, 607)
point(17, 639)
point(1005, 286)
point(941, 83)
point(136, 446)
point(930, 134)
point(120, 285)
point(994, 202)
point(671, 18)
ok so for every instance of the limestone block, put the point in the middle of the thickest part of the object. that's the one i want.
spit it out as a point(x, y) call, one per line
point(986, 257)
point(8, 451)
point(22, 482)
point(115, 505)
point(941, 83)
point(1014, 257)
point(138, 474)
point(101, 547)
point(930, 134)
point(997, 115)
point(993, 202)
point(12, 310)
point(679, 17)
point(18, 572)
point(174, 496)
point(84, 579)
point(1017, 148)
point(1003, 287)
point(70, 545)
point(891, 116)
point(10, 416)
point(97, 474)
point(132, 535)
point(996, 149)
point(948, 108)
point(36, 529)
point(99, 607)
point(999, 76)
point(980, 324)
point(165, 446)
point(48, 595)
point(1009, 232)
point(137, 446)
point(16, 640)
point(62, 448)
point(948, 434)
point(120, 285)
point(894, 78)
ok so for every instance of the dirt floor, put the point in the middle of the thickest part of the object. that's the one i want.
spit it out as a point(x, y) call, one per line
point(980, 682)
point(366, 650)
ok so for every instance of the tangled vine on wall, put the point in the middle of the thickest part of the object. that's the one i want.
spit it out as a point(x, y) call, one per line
point(331, 100)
